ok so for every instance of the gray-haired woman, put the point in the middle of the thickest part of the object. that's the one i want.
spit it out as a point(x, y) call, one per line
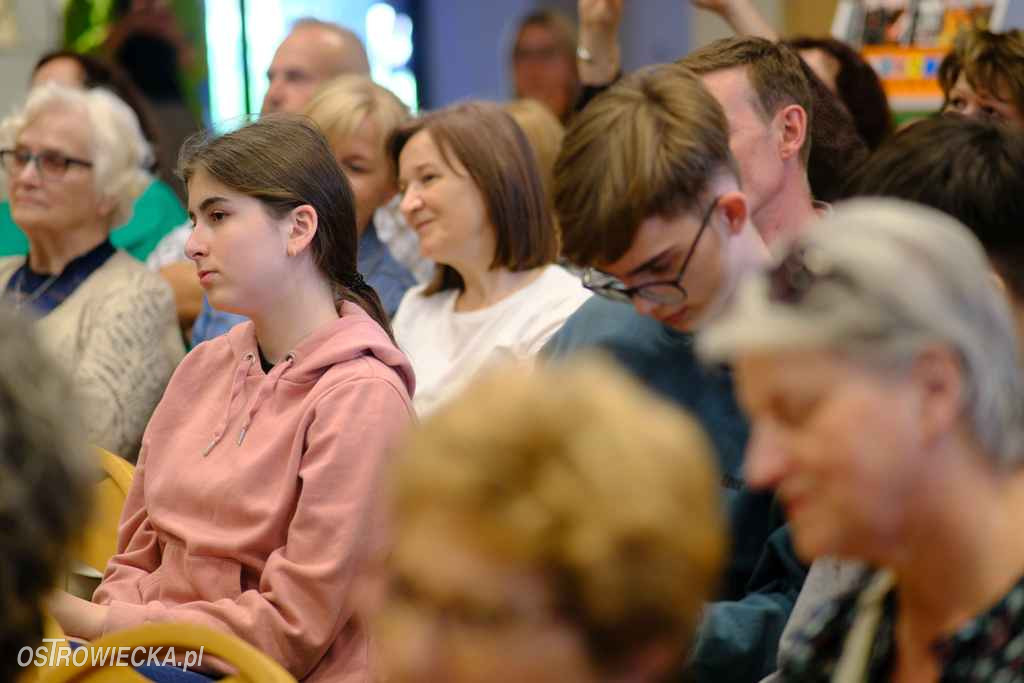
point(879, 364)
point(74, 164)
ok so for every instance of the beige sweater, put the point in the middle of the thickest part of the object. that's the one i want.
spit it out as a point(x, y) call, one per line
point(117, 336)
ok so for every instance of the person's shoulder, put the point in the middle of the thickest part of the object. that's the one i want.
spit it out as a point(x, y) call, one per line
point(600, 322)
point(122, 265)
point(415, 303)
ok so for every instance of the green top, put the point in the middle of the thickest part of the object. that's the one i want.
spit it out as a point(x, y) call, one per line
point(156, 212)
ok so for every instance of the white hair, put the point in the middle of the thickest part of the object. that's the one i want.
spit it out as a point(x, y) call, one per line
point(890, 279)
point(120, 153)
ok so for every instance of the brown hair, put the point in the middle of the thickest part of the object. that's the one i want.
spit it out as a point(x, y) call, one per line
point(544, 132)
point(988, 60)
point(857, 86)
point(970, 169)
point(285, 162)
point(498, 158)
point(648, 146)
point(775, 72)
point(581, 475)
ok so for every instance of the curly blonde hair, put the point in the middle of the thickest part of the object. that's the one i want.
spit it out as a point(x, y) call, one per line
point(577, 473)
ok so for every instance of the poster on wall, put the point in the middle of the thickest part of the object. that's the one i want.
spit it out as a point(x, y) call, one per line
point(906, 40)
point(8, 25)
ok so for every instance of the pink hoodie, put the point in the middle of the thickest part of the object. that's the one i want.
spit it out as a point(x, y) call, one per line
point(250, 508)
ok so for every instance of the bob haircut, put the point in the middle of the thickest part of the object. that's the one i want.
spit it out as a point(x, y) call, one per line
point(879, 281)
point(496, 155)
point(578, 473)
point(120, 153)
point(342, 104)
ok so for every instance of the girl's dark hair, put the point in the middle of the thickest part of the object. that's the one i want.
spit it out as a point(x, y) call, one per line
point(858, 86)
point(285, 162)
point(101, 74)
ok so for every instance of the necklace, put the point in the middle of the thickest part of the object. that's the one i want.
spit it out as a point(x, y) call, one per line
point(21, 299)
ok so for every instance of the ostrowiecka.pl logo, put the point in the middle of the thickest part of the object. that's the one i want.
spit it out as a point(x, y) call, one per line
point(51, 653)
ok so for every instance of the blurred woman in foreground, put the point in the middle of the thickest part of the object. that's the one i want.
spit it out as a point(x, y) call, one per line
point(879, 364)
point(580, 526)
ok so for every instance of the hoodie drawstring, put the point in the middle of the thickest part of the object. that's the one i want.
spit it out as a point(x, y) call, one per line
point(236, 388)
point(266, 388)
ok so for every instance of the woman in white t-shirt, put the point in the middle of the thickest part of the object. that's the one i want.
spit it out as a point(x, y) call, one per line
point(472, 191)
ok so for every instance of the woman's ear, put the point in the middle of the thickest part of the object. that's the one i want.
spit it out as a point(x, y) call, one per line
point(301, 229)
point(107, 206)
point(938, 375)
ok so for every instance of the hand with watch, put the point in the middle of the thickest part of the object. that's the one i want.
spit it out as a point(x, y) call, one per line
point(598, 53)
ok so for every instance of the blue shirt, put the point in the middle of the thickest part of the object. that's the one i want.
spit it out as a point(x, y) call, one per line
point(739, 636)
point(382, 272)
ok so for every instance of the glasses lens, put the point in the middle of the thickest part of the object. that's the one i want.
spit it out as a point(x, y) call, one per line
point(16, 159)
point(52, 164)
point(611, 293)
point(666, 295)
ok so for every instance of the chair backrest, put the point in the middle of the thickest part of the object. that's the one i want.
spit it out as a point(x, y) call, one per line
point(251, 665)
point(99, 540)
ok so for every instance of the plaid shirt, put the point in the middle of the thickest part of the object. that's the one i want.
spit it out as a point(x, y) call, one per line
point(988, 649)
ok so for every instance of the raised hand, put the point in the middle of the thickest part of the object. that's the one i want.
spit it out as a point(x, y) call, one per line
point(742, 15)
point(599, 40)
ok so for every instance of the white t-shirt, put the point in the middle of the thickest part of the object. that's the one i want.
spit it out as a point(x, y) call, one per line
point(448, 348)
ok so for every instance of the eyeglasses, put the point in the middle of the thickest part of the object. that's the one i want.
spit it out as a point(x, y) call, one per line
point(538, 54)
point(663, 292)
point(50, 164)
point(797, 273)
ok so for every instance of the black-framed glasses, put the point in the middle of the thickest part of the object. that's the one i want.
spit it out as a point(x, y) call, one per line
point(50, 164)
point(799, 271)
point(663, 292)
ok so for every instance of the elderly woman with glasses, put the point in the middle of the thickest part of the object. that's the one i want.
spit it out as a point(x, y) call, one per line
point(74, 162)
point(879, 364)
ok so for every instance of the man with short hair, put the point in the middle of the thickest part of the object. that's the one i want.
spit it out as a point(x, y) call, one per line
point(767, 99)
point(315, 51)
point(648, 197)
point(768, 96)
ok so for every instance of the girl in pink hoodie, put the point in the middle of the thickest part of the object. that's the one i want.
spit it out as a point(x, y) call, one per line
point(250, 509)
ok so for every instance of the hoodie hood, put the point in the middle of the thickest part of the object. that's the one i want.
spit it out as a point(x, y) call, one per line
point(352, 336)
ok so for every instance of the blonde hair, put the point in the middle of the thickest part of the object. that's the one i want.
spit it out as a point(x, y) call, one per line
point(120, 153)
point(342, 104)
point(648, 146)
point(544, 132)
point(577, 473)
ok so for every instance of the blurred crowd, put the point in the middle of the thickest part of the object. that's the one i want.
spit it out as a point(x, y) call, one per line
point(703, 372)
